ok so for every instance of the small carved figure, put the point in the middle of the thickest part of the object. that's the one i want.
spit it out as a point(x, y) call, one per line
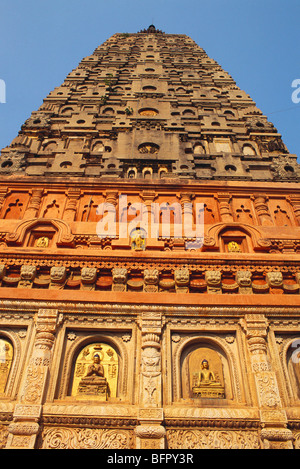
point(275, 279)
point(58, 277)
point(138, 241)
point(213, 279)
point(88, 278)
point(151, 279)
point(119, 279)
point(275, 282)
point(244, 281)
point(42, 242)
point(233, 246)
point(182, 279)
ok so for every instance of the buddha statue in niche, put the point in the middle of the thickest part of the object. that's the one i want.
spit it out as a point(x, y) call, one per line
point(204, 368)
point(205, 383)
point(94, 383)
point(95, 374)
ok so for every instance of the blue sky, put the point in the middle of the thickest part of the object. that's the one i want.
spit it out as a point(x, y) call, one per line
point(256, 41)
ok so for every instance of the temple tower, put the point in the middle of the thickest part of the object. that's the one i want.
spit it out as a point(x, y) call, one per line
point(149, 260)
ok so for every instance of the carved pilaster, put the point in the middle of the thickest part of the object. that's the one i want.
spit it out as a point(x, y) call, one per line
point(3, 194)
point(262, 210)
point(25, 426)
point(224, 207)
point(148, 198)
point(295, 203)
point(72, 202)
point(34, 204)
point(273, 417)
point(150, 433)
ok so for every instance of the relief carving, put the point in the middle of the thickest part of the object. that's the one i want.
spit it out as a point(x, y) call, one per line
point(58, 276)
point(182, 279)
point(213, 279)
point(244, 281)
point(88, 278)
point(212, 439)
point(151, 279)
point(119, 279)
point(86, 438)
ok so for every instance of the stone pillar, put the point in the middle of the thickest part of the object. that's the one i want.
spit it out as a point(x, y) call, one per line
point(274, 434)
point(24, 429)
point(150, 434)
point(34, 204)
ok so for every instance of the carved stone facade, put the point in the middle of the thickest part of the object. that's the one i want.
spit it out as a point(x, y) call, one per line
point(149, 336)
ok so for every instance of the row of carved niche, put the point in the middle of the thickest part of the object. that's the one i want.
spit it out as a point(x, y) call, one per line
point(151, 280)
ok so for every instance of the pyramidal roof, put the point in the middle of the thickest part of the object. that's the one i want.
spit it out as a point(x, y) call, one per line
point(153, 104)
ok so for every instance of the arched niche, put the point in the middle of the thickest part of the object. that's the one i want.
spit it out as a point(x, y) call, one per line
point(205, 371)
point(292, 355)
point(95, 372)
point(249, 150)
point(132, 173)
point(81, 353)
point(29, 231)
point(220, 235)
point(6, 362)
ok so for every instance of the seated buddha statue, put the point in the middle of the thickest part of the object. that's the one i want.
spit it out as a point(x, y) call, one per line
point(94, 382)
point(206, 384)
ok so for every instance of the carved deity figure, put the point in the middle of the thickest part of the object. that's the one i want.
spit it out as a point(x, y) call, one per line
point(206, 384)
point(95, 369)
point(94, 383)
point(42, 242)
point(233, 246)
point(206, 375)
point(138, 241)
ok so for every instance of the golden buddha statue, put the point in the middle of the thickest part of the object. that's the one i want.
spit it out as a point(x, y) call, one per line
point(205, 383)
point(94, 382)
point(138, 241)
point(42, 242)
point(233, 246)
